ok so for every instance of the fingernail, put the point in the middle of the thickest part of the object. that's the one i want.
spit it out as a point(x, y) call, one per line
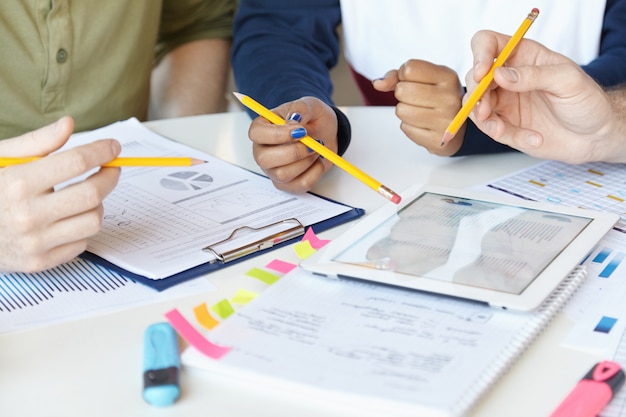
point(116, 147)
point(510, 74)
point(298, 133)
point(533, 140)
point(490, 127)
point(295, 117)
point(321, 142)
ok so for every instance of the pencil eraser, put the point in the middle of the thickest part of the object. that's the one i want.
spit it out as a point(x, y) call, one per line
point(161, 367)
point(396, 199)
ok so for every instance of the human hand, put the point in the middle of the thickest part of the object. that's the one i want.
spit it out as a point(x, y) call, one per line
point(429, 97)
point(41, 228)
point(292, 166)
point(543, 104)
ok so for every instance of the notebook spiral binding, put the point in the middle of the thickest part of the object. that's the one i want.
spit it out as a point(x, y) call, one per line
point(548, 310)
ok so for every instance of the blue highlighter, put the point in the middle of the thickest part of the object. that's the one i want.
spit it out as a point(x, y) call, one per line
point(161, 365)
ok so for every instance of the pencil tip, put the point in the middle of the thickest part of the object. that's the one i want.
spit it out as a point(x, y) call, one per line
point(195, 161)
point(238, 95)
point(446, 138)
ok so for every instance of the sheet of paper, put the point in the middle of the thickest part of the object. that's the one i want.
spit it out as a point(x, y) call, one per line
point(76, 290)
point(597, 308)
point(157, 220)
point(599, 186)
point(383, 348)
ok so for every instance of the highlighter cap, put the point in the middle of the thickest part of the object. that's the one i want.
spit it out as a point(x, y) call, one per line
point(161, 365)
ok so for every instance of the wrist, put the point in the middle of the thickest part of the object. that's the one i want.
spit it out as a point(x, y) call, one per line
point(344, 131)
point(616, 128)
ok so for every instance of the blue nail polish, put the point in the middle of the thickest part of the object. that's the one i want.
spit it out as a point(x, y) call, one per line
point(295, 117)
point(298, 133)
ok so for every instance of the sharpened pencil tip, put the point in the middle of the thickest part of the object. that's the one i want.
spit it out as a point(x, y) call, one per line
point(195, 161)
point(238, 95)
point(446, 138)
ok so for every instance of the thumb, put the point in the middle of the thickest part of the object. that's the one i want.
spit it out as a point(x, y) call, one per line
point(388, 82)
point(39, 142)
point(549, 78)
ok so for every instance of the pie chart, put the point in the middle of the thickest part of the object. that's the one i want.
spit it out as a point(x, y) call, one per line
point(186, 181)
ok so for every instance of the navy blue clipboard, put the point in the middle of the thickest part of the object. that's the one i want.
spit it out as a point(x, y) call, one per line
point(164, 283)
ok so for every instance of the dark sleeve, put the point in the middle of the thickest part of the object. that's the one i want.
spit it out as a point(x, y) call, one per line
point(608, 69)
point(284, 49)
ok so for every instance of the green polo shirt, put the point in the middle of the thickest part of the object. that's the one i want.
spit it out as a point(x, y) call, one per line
point(92, 59)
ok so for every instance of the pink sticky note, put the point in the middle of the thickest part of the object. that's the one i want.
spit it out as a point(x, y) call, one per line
point(280, 266)
point(194, 337)
point(316, 242)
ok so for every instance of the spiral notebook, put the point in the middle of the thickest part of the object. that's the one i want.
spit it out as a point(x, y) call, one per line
point(380, 350)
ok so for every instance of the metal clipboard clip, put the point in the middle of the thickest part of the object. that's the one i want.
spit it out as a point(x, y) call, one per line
point(246, 240)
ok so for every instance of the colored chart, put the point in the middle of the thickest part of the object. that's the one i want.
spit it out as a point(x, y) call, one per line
point(598, 186)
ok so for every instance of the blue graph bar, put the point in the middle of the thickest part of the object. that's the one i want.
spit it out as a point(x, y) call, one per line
point(605, 324)
point(18, 291)
point(612, 266)
point(601, 257)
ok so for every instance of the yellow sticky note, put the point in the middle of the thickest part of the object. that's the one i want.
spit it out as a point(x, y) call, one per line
point(243, 296)
point(304, 249)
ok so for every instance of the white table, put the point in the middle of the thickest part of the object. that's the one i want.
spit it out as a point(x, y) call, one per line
point(93, 367)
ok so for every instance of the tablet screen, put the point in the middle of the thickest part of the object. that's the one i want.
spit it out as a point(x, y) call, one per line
point(466, 241)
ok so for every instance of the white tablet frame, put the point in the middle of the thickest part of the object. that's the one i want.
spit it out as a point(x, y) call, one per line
point(530, 298)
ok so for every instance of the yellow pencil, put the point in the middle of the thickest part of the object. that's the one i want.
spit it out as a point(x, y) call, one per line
point(123, 161)
point(321, 149)
point(466, 109)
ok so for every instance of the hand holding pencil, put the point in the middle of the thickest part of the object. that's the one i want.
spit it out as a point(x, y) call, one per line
point(482, 86)
point(41, 227)
point(282, 156)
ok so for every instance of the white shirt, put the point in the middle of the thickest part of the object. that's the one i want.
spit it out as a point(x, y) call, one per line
point(382, 35)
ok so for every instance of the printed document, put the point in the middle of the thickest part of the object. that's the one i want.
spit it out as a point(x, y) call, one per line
point(157, 220)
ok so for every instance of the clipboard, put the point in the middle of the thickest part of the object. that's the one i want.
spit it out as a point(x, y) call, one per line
point(242, 244)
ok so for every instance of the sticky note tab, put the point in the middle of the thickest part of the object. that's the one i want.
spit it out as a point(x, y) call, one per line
point(280, 266)
point(316, 243)
point(304, 249)
point(223, 309)
point(264, 276)
point(243, 296)
point(194, 337)
point(204, 317)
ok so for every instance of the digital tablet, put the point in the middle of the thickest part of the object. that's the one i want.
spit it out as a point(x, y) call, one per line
point(507, 252)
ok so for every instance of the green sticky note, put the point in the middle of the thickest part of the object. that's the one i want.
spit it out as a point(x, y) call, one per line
point(223, 309)
point(263, 276)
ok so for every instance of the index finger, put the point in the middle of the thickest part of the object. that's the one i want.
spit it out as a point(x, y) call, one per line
point(486, 45)
point(264, 132)
point(57, 168)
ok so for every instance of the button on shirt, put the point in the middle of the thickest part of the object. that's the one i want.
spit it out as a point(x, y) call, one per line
point(92, 59)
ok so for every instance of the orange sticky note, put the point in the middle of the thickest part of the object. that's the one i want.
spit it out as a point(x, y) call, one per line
point(204, 317)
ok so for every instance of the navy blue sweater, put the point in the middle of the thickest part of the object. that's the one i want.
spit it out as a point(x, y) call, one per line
point(284, 49)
